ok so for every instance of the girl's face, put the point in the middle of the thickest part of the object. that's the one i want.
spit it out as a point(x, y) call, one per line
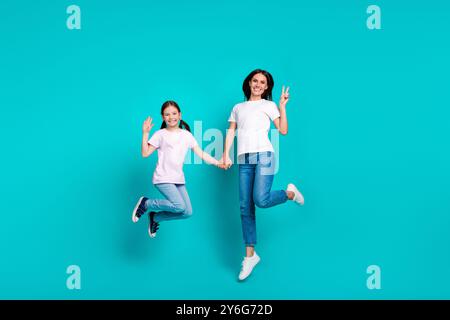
point(258, 84)
point(171, 116)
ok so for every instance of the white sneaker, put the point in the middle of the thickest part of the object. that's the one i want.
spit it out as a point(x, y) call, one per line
point(247, 266)
point(298, 197)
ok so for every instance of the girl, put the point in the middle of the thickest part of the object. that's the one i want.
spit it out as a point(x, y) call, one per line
point(256, 156)
point(172, 142)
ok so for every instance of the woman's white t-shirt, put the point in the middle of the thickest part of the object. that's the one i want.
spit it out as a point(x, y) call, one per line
point(253, 123)
point(172, 147)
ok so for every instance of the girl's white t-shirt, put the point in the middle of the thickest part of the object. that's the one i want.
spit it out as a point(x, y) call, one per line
point(253, 123)
point(172, 147)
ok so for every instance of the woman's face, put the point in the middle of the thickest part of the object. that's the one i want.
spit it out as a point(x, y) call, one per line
point(171, 116)
point(258, 84)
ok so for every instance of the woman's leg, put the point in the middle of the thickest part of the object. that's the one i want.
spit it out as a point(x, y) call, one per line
point(265, 170)
point(246, 185)
point(247, 205)
point(173, 207)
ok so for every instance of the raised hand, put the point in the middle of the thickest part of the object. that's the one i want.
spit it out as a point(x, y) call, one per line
point(284, 97)
point(148, 125)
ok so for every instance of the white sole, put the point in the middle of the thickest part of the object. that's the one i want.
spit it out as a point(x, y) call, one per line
point(135, 210)
point(151, 235)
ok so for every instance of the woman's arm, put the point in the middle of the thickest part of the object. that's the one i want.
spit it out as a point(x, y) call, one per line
point(281, 123)
point(205, 156)
point(146, 149)
point(228, 144)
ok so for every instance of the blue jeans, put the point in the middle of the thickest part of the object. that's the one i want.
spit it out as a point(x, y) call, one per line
point(256, 173)
point(177, 204)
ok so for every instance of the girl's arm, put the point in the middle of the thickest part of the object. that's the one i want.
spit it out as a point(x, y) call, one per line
point(146, 148)
point(205, 156)
point(281, 123)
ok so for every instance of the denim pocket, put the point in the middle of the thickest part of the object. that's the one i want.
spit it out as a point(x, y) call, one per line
point(267, 163)
point(266, 158)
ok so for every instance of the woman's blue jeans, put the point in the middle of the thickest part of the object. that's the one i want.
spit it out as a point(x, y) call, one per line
point(256, 173)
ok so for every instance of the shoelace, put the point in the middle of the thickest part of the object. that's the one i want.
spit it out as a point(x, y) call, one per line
point(244, 266)
point(154, 227)
point(141, 209)
point(139, 212)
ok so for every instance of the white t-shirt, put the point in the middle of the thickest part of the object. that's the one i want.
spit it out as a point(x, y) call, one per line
point(253, 124)
point(172, 147)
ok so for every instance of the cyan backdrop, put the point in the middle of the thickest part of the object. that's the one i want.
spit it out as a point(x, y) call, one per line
point(368, 146)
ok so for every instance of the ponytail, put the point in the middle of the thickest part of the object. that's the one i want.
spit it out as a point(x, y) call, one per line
point(185, 125)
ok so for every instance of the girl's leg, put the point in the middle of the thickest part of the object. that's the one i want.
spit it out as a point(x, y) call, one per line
point(183, 192)
point(247, 206)
point(265, 170)
point(173, 207)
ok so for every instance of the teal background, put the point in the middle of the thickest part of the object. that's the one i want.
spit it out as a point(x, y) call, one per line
point(368, 145)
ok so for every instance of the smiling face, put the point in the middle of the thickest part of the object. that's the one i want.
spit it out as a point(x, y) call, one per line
point(171, 116)
point(258, 84)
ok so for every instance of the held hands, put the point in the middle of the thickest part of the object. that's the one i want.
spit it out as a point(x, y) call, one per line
point(224, 164)
point(148, 125)
point(284, 97)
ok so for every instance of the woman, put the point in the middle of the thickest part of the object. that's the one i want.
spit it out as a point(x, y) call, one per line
point(256, 158)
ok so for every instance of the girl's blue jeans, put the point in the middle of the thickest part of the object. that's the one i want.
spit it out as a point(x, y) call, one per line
point(177, 204)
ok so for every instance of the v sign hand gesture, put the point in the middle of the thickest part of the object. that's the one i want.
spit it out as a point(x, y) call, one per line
point(284, 97)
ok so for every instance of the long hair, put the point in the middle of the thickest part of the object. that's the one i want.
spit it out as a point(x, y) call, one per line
point(183, 125)
point(267, 94)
